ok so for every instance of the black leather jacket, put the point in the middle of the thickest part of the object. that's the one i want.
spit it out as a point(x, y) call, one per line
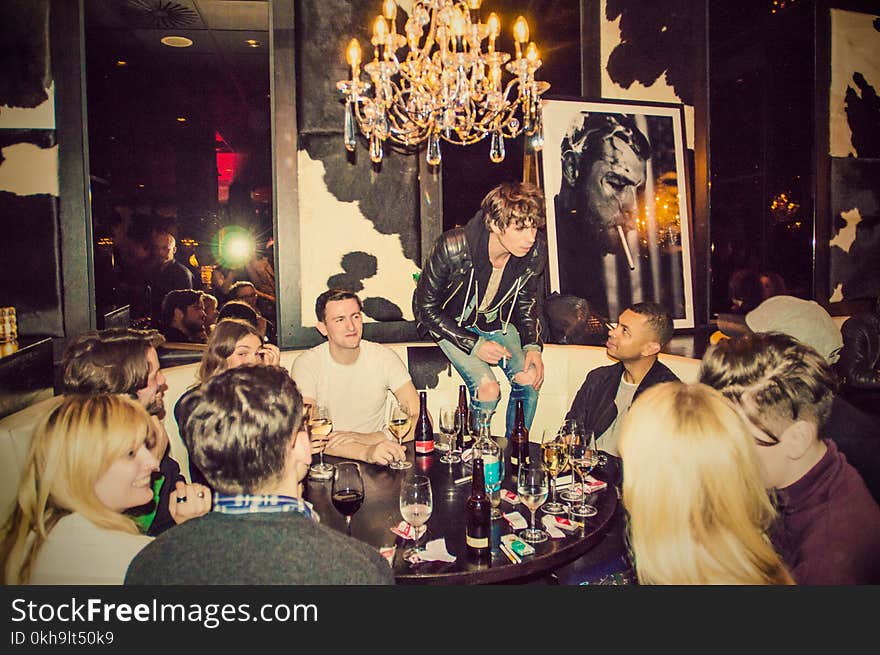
point(454, 275)
point(859, 363)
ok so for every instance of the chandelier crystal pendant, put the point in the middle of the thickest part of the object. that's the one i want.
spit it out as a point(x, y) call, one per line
point(446, 84)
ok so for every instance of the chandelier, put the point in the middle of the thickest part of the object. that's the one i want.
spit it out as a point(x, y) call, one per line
point(445, 84)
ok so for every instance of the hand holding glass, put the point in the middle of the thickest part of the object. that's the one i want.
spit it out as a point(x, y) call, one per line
point(399, 424)
point(347, 492)
point(320, 424)
point(416, 505)
point(531, 485)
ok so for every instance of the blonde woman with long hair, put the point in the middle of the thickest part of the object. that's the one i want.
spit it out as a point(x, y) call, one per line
point(89, 461)
point(698, 510)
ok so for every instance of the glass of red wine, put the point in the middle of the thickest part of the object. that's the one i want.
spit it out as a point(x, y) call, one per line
point(347, 492)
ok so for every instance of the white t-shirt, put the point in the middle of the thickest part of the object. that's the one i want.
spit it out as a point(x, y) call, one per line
point(77, 552)
point(355, 394)
point(624, 398)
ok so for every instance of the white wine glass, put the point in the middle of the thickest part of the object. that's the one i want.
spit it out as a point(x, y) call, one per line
point(569, 432)
point(416, 506)
point(449, 424)
point(399, 424)
point(555, 456)
point(583, 456)
point(320, 424)
point(531, 485)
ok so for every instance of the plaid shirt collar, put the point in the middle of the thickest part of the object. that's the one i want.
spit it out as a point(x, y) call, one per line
point(265, 504)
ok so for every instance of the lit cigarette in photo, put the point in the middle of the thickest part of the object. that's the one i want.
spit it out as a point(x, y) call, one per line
point(629, 257)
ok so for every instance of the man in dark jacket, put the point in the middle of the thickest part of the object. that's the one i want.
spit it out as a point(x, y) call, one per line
point(607, 392)
point(477, 297)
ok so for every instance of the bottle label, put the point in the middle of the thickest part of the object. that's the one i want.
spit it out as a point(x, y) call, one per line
point(514, 460)
point(492, 472)
point(425, 447)
point(477, 542)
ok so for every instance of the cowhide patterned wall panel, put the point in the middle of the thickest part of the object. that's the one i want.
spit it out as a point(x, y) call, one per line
point(648, 53)
point(854, 149)
point(29, 249)
point(359, 222)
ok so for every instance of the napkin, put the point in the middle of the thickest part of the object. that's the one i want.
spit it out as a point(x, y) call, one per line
point(435, 551)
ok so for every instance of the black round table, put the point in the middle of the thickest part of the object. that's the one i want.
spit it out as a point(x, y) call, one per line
point(380, 512)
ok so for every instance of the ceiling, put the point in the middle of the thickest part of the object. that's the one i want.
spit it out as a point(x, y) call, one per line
point(131, 31)
point(138, 89)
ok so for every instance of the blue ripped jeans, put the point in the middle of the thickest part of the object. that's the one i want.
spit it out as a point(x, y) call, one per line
point(474, 370)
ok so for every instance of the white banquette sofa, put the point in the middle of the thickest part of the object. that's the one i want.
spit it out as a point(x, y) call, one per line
point(565, 369)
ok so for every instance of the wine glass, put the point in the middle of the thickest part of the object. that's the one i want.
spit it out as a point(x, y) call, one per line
point(416, 505)
point(531, 485)
point(568, 433)
point(320, 424)
point(347, 492)
point(449, 423)
point(399, 424)
point(555, 455)
point(583, 456)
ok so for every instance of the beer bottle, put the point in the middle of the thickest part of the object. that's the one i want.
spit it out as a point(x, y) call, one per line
point(461, 413)
point(477, 511)
point(424, 433)
point(519, 440)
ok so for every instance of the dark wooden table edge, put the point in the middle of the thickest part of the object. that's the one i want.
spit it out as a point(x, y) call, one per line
point(510, 573)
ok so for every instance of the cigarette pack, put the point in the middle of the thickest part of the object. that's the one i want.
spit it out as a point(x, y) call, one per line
point(565, 524)
point(516, 520)
point(517, 545)
point(509, 496)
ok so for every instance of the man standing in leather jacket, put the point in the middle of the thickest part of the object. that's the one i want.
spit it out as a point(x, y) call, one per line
point(477, 297)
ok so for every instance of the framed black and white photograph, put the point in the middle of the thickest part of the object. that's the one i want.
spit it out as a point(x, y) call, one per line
point(618, 222)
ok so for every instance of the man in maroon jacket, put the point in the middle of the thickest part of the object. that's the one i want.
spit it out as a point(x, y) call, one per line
point(828, 529)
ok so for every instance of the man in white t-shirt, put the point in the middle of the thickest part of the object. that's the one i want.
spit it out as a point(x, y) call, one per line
point(352, 377)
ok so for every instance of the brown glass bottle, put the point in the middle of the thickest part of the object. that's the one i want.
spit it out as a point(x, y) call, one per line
point(477, 511)
point(461, 414)
point(424, 432)
point(519, 440)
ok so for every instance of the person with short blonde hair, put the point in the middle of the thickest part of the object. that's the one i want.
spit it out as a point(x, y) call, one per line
point(698, 509)
point(88, 463)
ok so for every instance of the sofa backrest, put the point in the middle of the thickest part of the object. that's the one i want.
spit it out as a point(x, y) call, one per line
point(565, 369)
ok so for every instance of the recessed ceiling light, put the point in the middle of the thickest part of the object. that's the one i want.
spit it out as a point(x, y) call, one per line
point(176, 41)
point(121, 62)
point(140, 186)
point(253, 43)
point(181, 119)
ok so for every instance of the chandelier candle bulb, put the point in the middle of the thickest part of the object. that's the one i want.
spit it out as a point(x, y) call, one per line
point(451, 86)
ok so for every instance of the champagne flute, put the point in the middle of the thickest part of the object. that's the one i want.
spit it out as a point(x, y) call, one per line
point(583, 455)
point(449, 422)
point(320, 424)
point(555, 455)
point(416, 506)
point(568, 433)
point(347, 492)
point(531, 485)
point(399, 424)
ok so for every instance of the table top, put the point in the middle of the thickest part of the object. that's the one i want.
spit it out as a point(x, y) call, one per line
point(380, 512)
